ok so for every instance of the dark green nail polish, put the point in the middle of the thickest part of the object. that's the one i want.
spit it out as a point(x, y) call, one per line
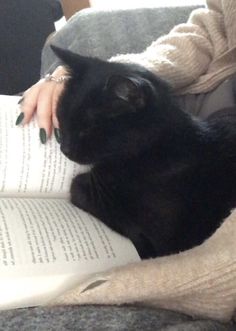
point(43, 136)
point(57, 135)
point(21, 100)
point(20, 118)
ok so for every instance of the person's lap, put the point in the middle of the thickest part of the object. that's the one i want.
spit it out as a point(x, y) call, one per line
point(85, 36)
point(204, 104)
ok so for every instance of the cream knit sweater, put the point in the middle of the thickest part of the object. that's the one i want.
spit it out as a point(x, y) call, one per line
point(194, 58)
point(200, 282)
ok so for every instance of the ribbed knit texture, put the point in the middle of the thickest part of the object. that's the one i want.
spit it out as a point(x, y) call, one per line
point(194, 57)
point(200, 282)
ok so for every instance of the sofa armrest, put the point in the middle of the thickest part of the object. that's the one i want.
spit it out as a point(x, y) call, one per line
point(105, 33)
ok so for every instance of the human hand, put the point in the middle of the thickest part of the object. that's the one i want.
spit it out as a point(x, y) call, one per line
point(42, 98)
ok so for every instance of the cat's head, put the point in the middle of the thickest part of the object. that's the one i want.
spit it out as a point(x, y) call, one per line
point(108, 110)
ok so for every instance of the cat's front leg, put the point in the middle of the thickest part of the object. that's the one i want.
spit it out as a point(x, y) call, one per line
point(83, 194)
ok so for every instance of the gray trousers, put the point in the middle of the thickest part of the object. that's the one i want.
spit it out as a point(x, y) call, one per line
point(204, 104)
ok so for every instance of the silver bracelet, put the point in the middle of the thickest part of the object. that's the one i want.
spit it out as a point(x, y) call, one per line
point(59, 80)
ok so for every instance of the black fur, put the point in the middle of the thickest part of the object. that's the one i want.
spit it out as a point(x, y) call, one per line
point(160, 177)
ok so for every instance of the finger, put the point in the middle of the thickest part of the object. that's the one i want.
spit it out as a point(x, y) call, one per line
point(59, 71)
point(44, 108)
point(29, 102)
point(56, 95)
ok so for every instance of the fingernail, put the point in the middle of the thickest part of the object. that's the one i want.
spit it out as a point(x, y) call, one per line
point(21, 100)
point(57, 135)
point(20, 118)
point(43, 136)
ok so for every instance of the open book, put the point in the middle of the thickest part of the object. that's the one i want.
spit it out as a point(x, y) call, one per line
point(46, 244)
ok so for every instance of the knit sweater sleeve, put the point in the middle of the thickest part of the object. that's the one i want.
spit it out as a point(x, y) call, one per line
point(199, 282)
point(183, 55)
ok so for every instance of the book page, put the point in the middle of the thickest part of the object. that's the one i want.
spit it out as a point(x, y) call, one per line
point(28, 167)
point(47, 245)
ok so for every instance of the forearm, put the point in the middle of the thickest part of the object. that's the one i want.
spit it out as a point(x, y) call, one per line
point(179, 58)
point(185, 54)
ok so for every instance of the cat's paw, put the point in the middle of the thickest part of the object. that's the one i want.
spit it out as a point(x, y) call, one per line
point(81, 191)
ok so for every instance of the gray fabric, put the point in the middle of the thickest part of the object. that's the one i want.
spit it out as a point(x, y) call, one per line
point(205, 104)
point(107, 33)
point(92, 318)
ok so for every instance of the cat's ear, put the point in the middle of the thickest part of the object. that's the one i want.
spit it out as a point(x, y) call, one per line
point(128, 89)
point(74, 61)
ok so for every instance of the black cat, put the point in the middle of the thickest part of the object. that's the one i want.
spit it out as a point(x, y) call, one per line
point(160, 177)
